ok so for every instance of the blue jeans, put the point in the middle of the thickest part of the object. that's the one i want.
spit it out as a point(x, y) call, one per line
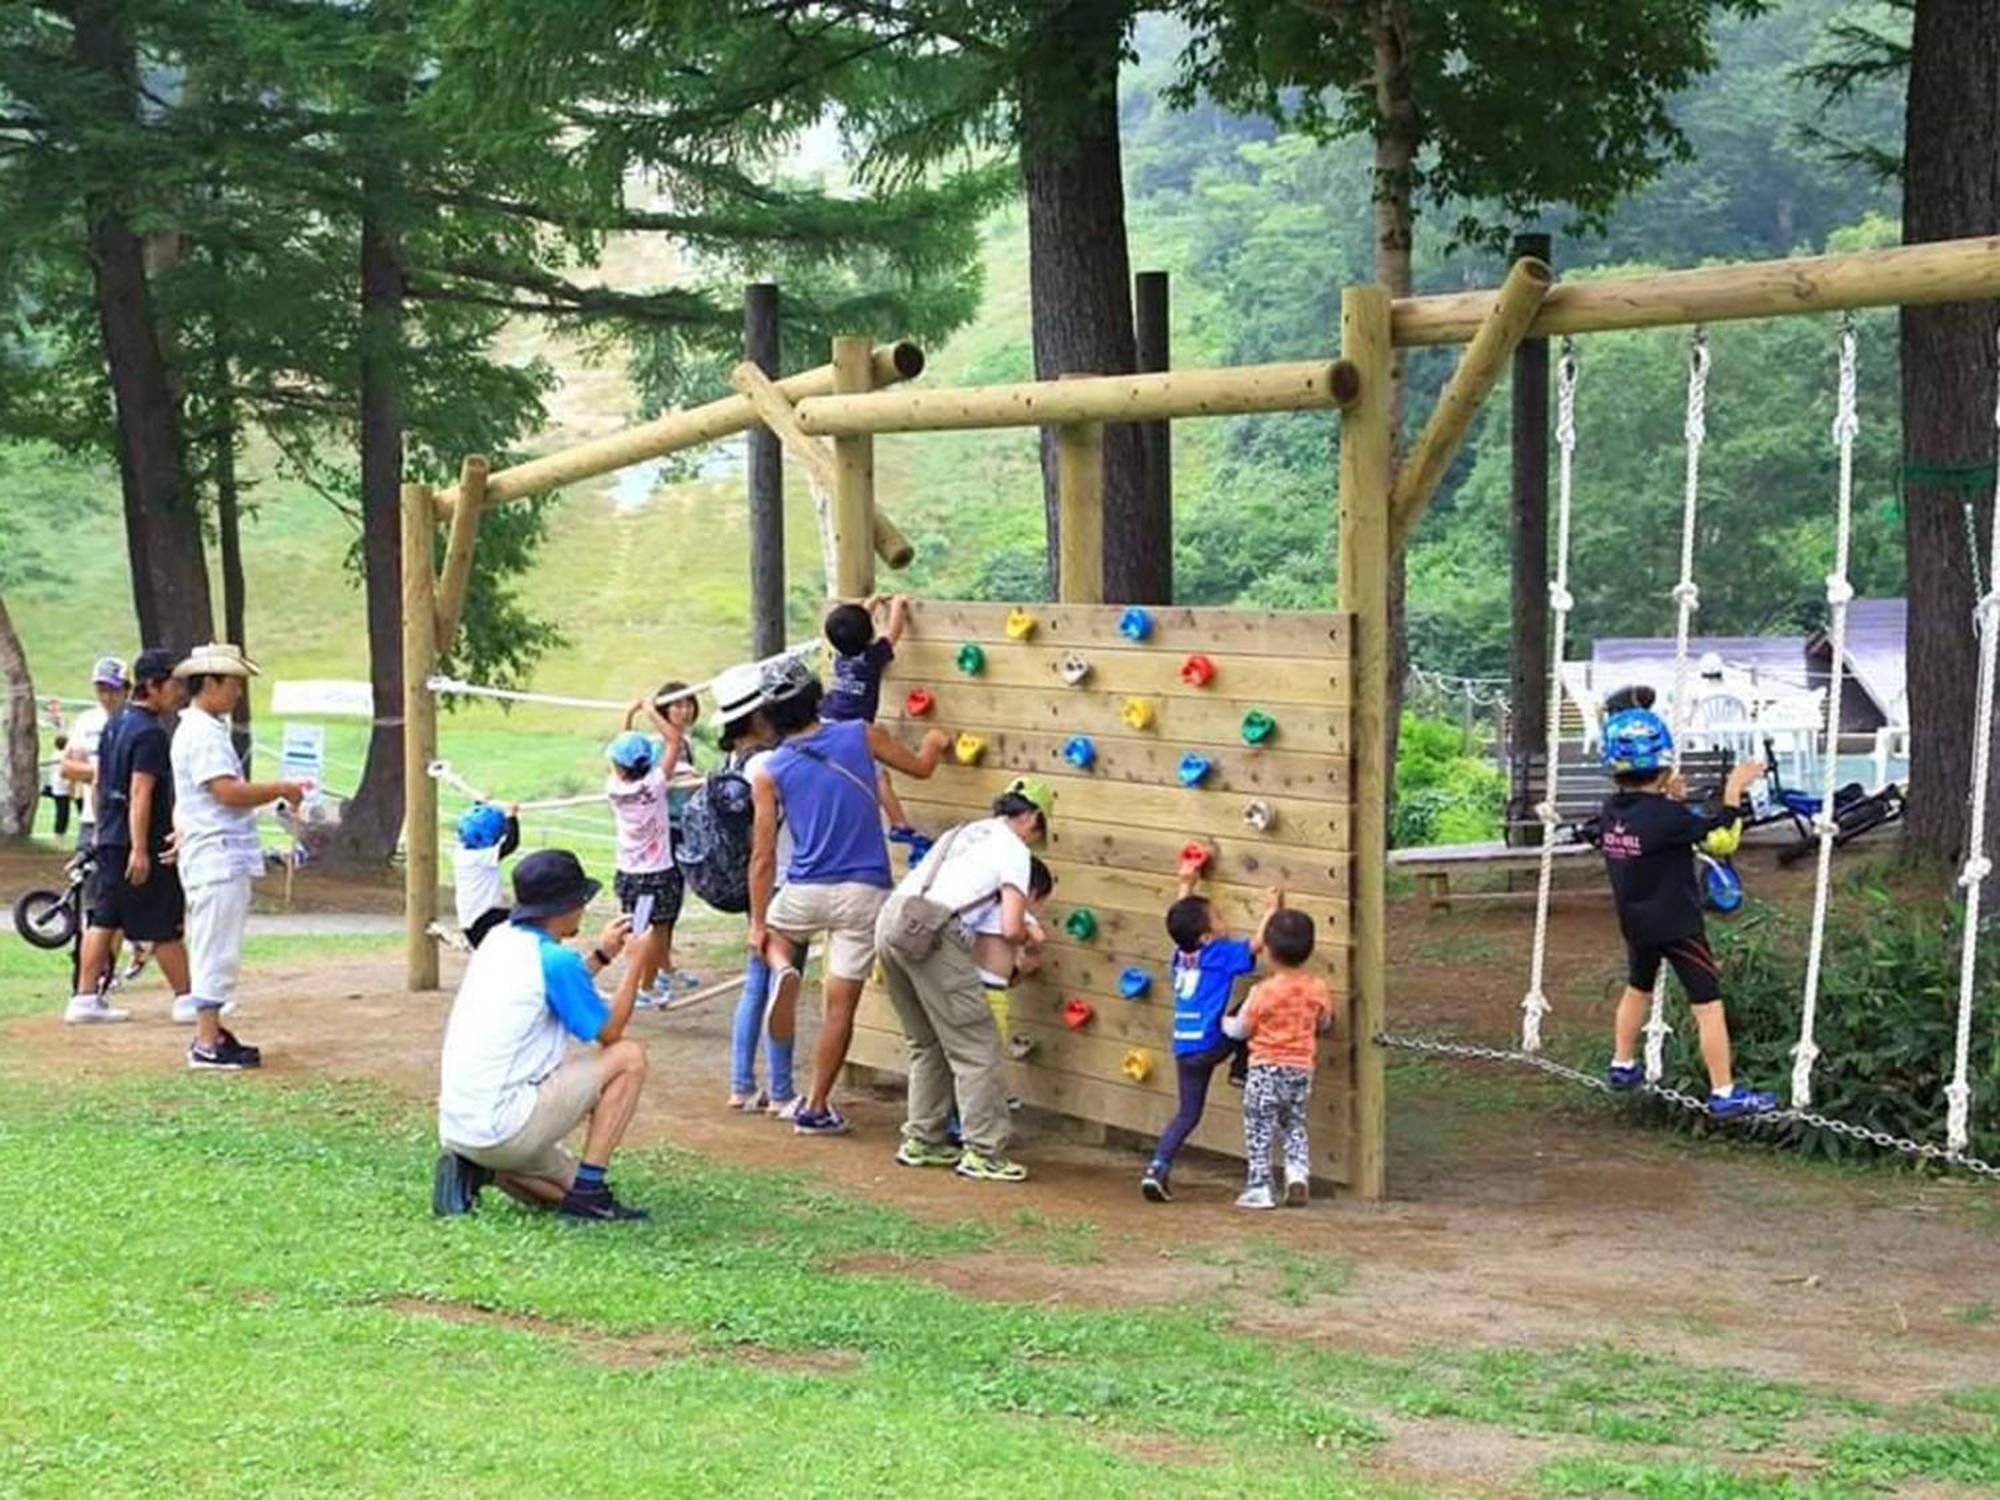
point(1193, 1073)
point(749, 1026)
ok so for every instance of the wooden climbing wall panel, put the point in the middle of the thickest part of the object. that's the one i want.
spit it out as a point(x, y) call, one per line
point(1117, 829)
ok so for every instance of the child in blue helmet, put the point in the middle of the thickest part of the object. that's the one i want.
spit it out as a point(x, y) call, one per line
point(1648, 834)
point(486, 835)
point(647, 882)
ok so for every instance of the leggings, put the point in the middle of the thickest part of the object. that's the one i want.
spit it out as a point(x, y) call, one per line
point(1193, 1071)
point(1274, 1106)
point(748, 1027)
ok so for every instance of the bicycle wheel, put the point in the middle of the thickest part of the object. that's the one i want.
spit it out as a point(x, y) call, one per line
point(46, 919)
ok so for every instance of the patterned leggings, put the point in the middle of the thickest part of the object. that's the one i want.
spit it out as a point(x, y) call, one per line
point(1274, 1099)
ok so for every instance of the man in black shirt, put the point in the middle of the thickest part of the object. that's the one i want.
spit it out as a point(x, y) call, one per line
point(1648, 834)
point(136, 891)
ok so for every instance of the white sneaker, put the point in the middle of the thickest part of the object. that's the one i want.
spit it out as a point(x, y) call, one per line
point(1256, 1197)
point(90, 1010)
point(788, 1110)
point(184, 1010)
point(1298, 1189)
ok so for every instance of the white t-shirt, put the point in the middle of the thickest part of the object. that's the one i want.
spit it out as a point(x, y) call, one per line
point(218, 843)
point(501, 1041)
point(645, 837)
point(84, 735)
point(750, 768)
point(983, 857)
point(475, 882)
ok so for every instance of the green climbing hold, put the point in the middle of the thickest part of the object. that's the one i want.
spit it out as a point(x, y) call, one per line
point(1081, 924)
point(1258, 727)
point(971, 660)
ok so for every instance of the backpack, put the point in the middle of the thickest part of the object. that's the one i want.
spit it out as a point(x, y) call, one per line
point(712, 846)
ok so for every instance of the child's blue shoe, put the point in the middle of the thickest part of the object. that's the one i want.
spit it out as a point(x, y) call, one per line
point(1740, 1102)
point(1625, 1076)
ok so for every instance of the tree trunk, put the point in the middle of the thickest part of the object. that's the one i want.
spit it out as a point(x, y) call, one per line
point(1079, 271)
point(20, 779)
point(1397, 132)
point(370, 824)
point(162, 526)
point(1951, 188)
point(228, 512)
point(1152, 338)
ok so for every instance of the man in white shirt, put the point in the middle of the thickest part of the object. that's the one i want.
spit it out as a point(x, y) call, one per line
point(220, 853)
point(110, 682)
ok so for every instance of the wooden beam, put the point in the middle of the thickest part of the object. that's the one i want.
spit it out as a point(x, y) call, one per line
point(1302, 386)
point(1080, 510)
point(457, 575)
point(764, 481)
point(1479, 370)
point(854, 479)
point(1906, 275)
point(1367, 452)
point(894, 548)
point(420, 798)
point(672, 432)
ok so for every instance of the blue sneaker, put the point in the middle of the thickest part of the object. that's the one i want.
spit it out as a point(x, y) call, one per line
point(1627, 1076)
point(1740, 1102)
point(828, 1121)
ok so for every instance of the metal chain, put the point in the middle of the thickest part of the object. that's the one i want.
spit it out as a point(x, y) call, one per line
point(1928, 1151)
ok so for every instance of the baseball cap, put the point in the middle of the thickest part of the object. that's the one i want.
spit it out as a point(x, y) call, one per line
point(154, 664)
point(632, 751)
point(786, 677)
point(110, 672)
point(550, 882)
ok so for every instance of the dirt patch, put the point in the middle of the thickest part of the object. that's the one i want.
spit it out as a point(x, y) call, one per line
point(627, 1350)
point(1461, 1457)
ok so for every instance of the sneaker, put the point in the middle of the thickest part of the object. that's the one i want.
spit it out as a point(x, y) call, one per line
point(688, 983)
point(828, 1121)
point(227, 1056)
point(749, 1104)
point(455, 1184)
point(597, 1206)
point(915, 1153)
point(1623, 1076)
point(185, 1011)
point(785, 1109)
point(1154, 1188)
point(90, 1010)
point(1297, 1191)
point(983, 1168)
point(1256, 1197)
point(1740, 1102)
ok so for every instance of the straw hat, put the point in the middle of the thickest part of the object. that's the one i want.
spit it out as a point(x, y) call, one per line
point(217, 659)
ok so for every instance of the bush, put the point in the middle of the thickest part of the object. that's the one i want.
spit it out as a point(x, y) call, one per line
point(1443, 794)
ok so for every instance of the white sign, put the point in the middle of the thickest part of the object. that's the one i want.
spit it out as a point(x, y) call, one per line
point(324, 698)
point(303, 754)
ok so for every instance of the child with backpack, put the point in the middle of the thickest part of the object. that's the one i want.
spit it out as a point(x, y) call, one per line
point(486, 835)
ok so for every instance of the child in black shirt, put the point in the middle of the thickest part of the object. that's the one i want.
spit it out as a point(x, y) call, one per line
point(1648, 834)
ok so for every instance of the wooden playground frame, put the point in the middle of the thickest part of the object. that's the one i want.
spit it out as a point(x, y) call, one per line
point(850, 400)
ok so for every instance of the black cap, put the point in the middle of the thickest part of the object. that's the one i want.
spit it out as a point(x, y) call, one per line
point(550, 882)
point(153, 664)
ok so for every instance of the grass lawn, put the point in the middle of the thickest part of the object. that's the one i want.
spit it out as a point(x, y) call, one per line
point(233, 1286)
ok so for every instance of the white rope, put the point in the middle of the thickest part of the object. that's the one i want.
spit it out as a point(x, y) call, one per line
point(1535, 1004)
point(1687, 599)
point(453, 687)
point(1846, 425)
point(1958, 1093)
point(441, 771)
point(823, 510)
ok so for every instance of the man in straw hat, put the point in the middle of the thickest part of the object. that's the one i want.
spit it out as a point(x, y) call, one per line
point(220, 851)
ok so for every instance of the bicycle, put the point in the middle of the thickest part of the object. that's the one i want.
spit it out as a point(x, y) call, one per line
point(53, 920)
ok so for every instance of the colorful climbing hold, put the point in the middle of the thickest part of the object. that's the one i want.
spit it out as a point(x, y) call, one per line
point(1258, 727)
point(971, 660)
point(1197, 671)
point(1193, 769)
point(967, 749)
point(1077, 1012)
point(1080, 752)
point(1135, 624)
point(920, 703)
point(1072, 669)
point(1134, 982)
point(1138, 1065)
point(1196, 851)
point(1081, 924)
point(1137, 713)
point(1259, 814)
point(1020, 1048)
point(1020, 624)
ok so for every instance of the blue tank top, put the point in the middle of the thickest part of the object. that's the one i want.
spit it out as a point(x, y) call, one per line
point(835, 819)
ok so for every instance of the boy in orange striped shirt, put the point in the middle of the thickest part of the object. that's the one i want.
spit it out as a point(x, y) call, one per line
point(1282, 1020)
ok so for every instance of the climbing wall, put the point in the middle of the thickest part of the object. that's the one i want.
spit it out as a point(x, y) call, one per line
point(1223, 726)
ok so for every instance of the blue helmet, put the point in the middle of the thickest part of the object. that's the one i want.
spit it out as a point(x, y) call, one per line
point(481, 826)
point(633, 751)
point(1636, 739)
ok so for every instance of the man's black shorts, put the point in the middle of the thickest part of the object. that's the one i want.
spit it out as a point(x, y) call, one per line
point(149, 913)
point(1694, 965)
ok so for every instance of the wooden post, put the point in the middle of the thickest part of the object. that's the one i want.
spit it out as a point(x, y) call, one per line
point(1080, 515)
point(854, 476)
point(420, 798)
point(1367, 455)
point(457, 576)
point(764, 475)
point(1528, 553)
point(1156, 445)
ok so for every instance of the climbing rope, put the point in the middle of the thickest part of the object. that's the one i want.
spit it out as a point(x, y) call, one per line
point(441, 771)
point(1687, 599)
point(1535, 1004)
point(1839, 592)
point(453, 687)
point(1972, 877)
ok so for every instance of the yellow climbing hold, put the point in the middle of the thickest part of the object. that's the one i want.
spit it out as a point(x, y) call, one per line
point(1020, 624)
point(1137, 713)
point(1138, 1065)
point(967, 749)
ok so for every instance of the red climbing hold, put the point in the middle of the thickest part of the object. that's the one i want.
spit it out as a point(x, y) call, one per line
point(920, 702)
point(1197, 671)
point(1077, 1013)
point(1196, 851)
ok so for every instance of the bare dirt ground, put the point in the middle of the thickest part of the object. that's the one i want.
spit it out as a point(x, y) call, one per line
point(1519, 1215)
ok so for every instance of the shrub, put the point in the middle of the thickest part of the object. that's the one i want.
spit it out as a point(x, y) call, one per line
point(1443, 794)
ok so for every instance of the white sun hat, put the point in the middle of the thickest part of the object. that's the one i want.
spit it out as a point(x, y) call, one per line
point(217, 659)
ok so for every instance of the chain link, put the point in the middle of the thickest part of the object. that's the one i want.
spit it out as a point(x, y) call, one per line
point(1927, 1151)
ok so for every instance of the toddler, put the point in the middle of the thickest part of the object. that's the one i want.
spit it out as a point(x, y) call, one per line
point(681, 709)
point(486, 835)
point(1001, 963)
point(1282, 1021)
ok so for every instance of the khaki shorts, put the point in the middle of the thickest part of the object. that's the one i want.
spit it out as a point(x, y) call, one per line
point(845, 912)
point(563, 1100)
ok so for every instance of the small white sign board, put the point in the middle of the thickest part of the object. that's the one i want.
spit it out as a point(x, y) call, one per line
point(323, 698)
point(302, 756)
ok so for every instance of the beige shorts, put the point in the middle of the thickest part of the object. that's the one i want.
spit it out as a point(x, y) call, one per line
point(845, 912)
point(563, 1100)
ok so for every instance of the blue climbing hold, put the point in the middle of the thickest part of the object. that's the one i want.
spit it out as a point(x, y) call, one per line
point(1135, 624)
point(1194, 769)
point(1080, 752)
point(1134, 983)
